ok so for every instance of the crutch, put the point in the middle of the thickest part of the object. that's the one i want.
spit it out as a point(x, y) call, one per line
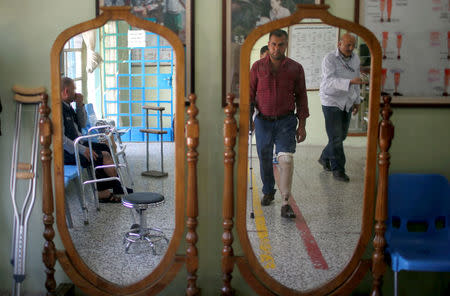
point(27, 172)
point(250, 140)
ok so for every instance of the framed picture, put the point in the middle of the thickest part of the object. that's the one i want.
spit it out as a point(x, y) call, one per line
point(177, 15)
point(239, 18)
point(407, 32)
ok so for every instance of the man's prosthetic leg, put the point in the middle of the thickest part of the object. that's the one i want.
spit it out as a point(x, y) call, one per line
point(286, 166)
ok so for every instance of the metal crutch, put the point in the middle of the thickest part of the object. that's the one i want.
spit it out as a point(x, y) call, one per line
point(23, 171)
point(250, 140)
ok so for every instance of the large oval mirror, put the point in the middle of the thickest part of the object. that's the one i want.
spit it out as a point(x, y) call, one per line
point(307, 226)
point(118, 89)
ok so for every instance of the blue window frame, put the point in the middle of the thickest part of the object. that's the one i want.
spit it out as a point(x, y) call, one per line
point(133, 77)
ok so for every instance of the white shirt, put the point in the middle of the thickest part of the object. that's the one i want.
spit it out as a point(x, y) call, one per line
point(335, 88)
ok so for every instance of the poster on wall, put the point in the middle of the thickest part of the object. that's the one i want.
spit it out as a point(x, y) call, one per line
point(415, 40)
point(308, 44)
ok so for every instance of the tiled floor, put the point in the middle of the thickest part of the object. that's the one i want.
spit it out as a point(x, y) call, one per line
point(100, 243)
point(301, 253)
point(306, 252)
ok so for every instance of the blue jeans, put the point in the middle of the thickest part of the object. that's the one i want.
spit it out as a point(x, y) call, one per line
point(279, 132)
point(336, 124)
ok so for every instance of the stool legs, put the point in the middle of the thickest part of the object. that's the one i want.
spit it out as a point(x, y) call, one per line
point(142, 232)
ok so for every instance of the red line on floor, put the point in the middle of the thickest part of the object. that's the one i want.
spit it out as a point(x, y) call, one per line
point(310, 243)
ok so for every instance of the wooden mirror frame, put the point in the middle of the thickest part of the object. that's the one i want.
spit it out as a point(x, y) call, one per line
point(78, 271)
point(249, 266)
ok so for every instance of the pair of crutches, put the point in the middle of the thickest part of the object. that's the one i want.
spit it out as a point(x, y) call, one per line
point(23, 170)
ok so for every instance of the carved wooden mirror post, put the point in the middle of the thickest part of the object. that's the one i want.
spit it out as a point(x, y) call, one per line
point(346, 274)
point(165, 56)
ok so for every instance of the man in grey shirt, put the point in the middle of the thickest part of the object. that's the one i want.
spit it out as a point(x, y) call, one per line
point(339, 95)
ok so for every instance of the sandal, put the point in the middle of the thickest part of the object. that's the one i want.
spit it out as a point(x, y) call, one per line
point(110, 199)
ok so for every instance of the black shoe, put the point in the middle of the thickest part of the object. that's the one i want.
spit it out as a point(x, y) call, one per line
point(117, 189)
point(287, 212)
point(325, 164)
point(341, 176)
point(267, 199)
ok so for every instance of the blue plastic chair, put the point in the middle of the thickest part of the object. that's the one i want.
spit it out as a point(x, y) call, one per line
point(70, 173)
point(418, 231)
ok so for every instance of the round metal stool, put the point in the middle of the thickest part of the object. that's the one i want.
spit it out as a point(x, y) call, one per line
point(140, 201)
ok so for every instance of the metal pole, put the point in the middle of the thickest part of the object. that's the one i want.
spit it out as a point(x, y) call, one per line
point(161, 139)
point(146, 138)
point(252, 214)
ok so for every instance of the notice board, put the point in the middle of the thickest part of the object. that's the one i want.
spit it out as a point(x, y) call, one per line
point(308, 45)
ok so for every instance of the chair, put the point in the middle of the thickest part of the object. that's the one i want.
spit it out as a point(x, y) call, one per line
point(418, 234)
point(141, 201)
point(92, 119)
point(70, 173)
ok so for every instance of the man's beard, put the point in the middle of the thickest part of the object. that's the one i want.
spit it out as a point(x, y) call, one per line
point(277, 57)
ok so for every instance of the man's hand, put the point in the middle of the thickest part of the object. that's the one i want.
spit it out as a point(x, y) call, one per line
point(88, 155)
point(301, 134)
point(357, 80)
point(355, 109)
point(79, 99)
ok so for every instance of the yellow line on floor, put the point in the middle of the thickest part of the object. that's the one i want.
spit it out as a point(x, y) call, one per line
point(265, 257)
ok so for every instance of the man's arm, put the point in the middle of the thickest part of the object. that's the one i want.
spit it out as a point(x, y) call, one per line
point(253, 87)
point(253, 83)
point(301, 103)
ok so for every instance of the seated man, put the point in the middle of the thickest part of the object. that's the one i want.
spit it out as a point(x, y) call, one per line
point(74, 121)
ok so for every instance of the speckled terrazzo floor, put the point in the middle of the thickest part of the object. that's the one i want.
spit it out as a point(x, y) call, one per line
point(332, 213)
point(100, 244)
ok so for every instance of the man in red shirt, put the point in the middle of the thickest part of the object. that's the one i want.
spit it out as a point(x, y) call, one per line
point(277, 90)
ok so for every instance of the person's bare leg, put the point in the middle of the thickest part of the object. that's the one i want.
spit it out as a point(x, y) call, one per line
point(107, 159)
point(104, 194)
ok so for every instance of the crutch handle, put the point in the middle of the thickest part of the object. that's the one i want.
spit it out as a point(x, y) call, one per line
point(28, 99)
point(28, 95)
point(25, 175)
point(26, 91)
point(24, 166)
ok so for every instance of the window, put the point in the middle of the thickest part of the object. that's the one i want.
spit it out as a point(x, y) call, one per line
point(74, 62)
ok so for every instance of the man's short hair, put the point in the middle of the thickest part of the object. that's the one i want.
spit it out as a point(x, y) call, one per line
point(263, 49)
point(66, 82)
point(279, 33)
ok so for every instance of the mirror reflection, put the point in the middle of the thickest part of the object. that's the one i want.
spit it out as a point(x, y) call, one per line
point(118, 110)
point(305, 185)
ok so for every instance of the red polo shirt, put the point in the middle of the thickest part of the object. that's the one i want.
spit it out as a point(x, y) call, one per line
point(279, 93)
